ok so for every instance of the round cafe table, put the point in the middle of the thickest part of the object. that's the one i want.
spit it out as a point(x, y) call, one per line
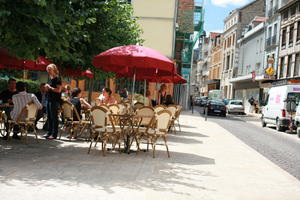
point(129, 124)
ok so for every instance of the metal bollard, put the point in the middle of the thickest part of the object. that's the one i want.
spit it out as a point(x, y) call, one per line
point(206, 111)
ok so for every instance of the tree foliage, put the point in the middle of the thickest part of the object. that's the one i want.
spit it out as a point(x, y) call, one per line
point(68, 32)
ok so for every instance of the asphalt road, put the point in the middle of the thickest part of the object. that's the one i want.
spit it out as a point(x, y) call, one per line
point(281, 148)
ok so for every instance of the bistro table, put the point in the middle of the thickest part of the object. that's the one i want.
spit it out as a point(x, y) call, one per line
point(129, 124)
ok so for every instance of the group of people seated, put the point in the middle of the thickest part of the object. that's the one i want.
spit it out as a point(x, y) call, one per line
point(51, 95)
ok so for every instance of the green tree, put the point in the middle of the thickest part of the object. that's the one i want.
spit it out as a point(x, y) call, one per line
point(68, 32)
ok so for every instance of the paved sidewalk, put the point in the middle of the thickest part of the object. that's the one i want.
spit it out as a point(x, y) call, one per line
point(206, 163)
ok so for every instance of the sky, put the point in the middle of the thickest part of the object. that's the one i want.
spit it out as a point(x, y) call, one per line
point(217, 10)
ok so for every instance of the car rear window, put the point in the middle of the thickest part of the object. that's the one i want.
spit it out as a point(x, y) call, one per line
point(219, 103)
point(238, 103)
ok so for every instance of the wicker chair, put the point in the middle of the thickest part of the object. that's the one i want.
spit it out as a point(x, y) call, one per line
point(160, 129)
point(144, 124)
point(138, 105)
point(173, 110)
point(68, 112)
point(159, 108)
point(3, 119)
point(101, 131)
point(114, 108)
point(25, 120)
point(177, 115)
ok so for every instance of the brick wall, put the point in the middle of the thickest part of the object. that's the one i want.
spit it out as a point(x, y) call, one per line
point(186, 16)
point(247, 13)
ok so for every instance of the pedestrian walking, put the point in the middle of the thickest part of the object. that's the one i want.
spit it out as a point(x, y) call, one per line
point(192, 103)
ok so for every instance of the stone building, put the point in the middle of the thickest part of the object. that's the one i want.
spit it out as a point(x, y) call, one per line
point(215, 67)
point(272, 32)
point(203, 66)
point(289, 50)
point(233, 27)
point(250, 73)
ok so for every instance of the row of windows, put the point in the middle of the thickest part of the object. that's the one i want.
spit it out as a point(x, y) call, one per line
point(228, 60)
point(272, 7)
point(231, 22)
point(291, 12)
point(289, 67)
point(214, 73)
point(272, 30)
point(230, 41)
point(288, 33)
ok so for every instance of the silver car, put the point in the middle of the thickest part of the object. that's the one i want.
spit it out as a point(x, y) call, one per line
point(235, 106)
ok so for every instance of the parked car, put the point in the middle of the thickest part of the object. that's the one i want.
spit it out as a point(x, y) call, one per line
point(297, 120)
point(275, 110)
point(235, 106)
point(203, 101)
point(226, 101)
point(197, 101)
point(215, 107)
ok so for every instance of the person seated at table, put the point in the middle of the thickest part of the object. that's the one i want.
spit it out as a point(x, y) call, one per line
point(67, 92)
point(6, 95)
point(20, 100)
point(161, 95)
point(106, 97)
point(42, 97)
point(123, 93)
point(6, 98)
point(79, 102)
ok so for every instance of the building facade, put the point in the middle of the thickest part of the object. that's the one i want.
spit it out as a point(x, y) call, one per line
point(272, 32)
point(250, 73)
point(289, 49)
point(158, 20)
point(203, 63)
point(233, 27)
point(216, 57)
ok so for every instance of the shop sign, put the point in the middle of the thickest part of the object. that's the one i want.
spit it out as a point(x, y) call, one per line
point(253, 75)
point(269, 77)
point(270, 71)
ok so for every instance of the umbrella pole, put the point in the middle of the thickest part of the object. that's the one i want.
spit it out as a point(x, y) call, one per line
point(145, 87)
point(133, 86)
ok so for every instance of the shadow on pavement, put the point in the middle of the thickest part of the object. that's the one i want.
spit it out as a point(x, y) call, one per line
point(59, 162)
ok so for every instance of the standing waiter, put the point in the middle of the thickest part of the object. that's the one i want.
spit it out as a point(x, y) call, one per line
point(54, 98)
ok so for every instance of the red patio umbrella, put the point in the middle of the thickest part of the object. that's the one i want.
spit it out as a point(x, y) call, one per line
point(88, 73)
point(41, 63)
point(131, 60)
point(9, 62)
point(76, 72)
point(135, 61)
point(177, 79)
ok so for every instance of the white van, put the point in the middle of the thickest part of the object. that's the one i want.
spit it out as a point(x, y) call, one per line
point(297, 121)
point(275, 110)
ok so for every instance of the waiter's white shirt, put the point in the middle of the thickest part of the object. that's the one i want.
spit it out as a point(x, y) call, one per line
point(20, 100)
